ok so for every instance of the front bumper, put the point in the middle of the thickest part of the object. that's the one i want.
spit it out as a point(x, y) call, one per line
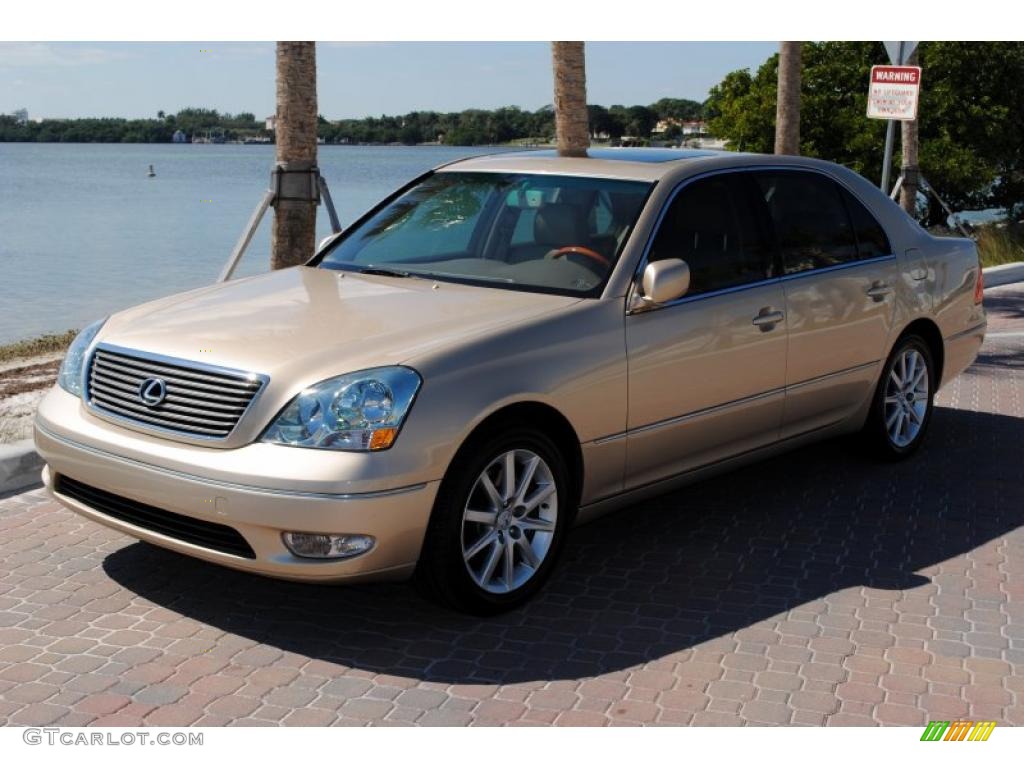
point(260, 508)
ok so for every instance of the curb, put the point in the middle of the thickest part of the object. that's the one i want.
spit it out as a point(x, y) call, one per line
point(20, 466)
point(1004, 274)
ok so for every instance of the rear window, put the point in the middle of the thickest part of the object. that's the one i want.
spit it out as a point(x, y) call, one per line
point(811, 224)
point(871, 239)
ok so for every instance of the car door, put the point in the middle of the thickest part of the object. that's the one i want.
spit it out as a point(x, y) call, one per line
point(839, 275)
point(707, 371)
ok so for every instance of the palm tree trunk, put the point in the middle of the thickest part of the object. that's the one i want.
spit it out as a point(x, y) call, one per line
point(572, 129)
point(295, 131)
point(909, 169)
point(787, 110)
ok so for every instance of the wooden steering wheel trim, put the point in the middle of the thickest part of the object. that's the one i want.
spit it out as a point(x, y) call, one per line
point(582, 251)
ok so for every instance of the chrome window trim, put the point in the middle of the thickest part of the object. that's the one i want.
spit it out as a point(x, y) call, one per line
point(141, 426)
point(837, 267)
point(633, 293)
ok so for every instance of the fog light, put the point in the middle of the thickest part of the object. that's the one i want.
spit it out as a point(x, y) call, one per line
point(327, 546)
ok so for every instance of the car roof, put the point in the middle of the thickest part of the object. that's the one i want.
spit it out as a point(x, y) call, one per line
point(639, 163)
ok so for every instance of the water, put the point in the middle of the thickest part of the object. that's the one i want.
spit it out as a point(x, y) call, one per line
point(84, 232)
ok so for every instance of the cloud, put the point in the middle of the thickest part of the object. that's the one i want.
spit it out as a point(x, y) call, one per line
point(22, 55)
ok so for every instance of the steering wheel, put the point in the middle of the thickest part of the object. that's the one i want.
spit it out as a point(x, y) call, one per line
point(582, 251)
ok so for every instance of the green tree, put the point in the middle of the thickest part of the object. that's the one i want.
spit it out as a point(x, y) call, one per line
point(677, 109)
point(971, 133)
point(640, 121)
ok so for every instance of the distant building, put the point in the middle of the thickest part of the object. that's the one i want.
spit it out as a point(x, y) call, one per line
point(179, 137)
point(270, 122)
point(21, 115)
point(689, 127)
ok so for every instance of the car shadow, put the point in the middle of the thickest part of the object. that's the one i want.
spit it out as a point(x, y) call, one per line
point(651, 580)
point(1007, 306)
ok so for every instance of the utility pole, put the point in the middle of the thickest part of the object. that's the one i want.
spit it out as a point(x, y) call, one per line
point(909, 170)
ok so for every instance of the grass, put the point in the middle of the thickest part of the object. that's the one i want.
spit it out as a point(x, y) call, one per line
point(1000, 245)
point(42, 345)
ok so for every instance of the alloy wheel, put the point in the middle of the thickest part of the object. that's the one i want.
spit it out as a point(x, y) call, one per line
point(906, 397)
point(508, 523)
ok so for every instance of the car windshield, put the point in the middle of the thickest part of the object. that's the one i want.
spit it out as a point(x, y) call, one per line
point(554, 234)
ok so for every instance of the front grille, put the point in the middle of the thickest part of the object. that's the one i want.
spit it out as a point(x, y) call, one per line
point(219, 538)
point(200, 401)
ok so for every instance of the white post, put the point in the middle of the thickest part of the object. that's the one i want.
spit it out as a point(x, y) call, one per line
point(890, 131)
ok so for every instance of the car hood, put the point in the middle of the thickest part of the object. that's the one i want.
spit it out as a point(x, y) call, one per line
point(302, 325)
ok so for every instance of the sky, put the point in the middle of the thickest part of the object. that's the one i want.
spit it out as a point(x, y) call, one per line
point(354, 79)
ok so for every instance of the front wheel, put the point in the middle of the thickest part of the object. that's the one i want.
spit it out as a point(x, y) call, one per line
point(498, 523)
point(902, 406)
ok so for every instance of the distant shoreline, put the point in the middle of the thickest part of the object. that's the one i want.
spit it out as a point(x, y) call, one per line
point(511, 145)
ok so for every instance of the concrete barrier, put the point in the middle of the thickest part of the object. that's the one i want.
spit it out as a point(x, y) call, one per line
point(1004, 274)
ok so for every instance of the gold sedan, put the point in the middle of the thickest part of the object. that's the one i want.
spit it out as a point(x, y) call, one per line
point(508, 346)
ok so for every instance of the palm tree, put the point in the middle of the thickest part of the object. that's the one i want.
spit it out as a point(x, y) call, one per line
point(572, 129)
point(295, 131)
point(787, 109)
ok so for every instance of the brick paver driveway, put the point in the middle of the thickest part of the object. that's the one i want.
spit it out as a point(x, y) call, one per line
point(817, 588)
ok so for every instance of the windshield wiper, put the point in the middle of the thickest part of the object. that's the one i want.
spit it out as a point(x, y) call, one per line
point(384, 272)
point(370, 269)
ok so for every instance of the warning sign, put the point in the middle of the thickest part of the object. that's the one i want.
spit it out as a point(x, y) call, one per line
point(893, 92)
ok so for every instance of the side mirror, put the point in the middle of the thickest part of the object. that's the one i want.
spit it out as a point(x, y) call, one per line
point(327, 240)
point(665, 280)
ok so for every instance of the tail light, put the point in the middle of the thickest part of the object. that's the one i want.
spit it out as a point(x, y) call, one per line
point(979, 286)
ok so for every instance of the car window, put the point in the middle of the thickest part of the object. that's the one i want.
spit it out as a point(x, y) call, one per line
point(711, 226)
point(811, 224)
point(871, 238)
point(556, 234)
point(434, 220)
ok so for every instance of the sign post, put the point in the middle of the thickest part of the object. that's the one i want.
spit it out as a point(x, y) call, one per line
point(894, 96)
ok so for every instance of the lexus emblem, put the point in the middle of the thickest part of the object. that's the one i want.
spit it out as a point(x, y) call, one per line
point(152, 392)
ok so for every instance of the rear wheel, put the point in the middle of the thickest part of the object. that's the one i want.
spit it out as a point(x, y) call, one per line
point(902, 406)
point(498, 523)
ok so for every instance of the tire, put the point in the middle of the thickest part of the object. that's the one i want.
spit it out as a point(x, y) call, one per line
point(894, 430)
point(473, 528)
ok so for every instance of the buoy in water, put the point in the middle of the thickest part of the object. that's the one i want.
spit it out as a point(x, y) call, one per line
point(151, 173)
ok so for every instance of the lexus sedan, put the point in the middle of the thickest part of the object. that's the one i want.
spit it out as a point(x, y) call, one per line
point(505, 347)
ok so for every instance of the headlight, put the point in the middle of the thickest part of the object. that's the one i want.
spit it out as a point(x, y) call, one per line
point(356, 412)
point(72, 369)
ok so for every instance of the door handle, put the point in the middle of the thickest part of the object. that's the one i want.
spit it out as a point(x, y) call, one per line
point(879, 290)
point(768, 318)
